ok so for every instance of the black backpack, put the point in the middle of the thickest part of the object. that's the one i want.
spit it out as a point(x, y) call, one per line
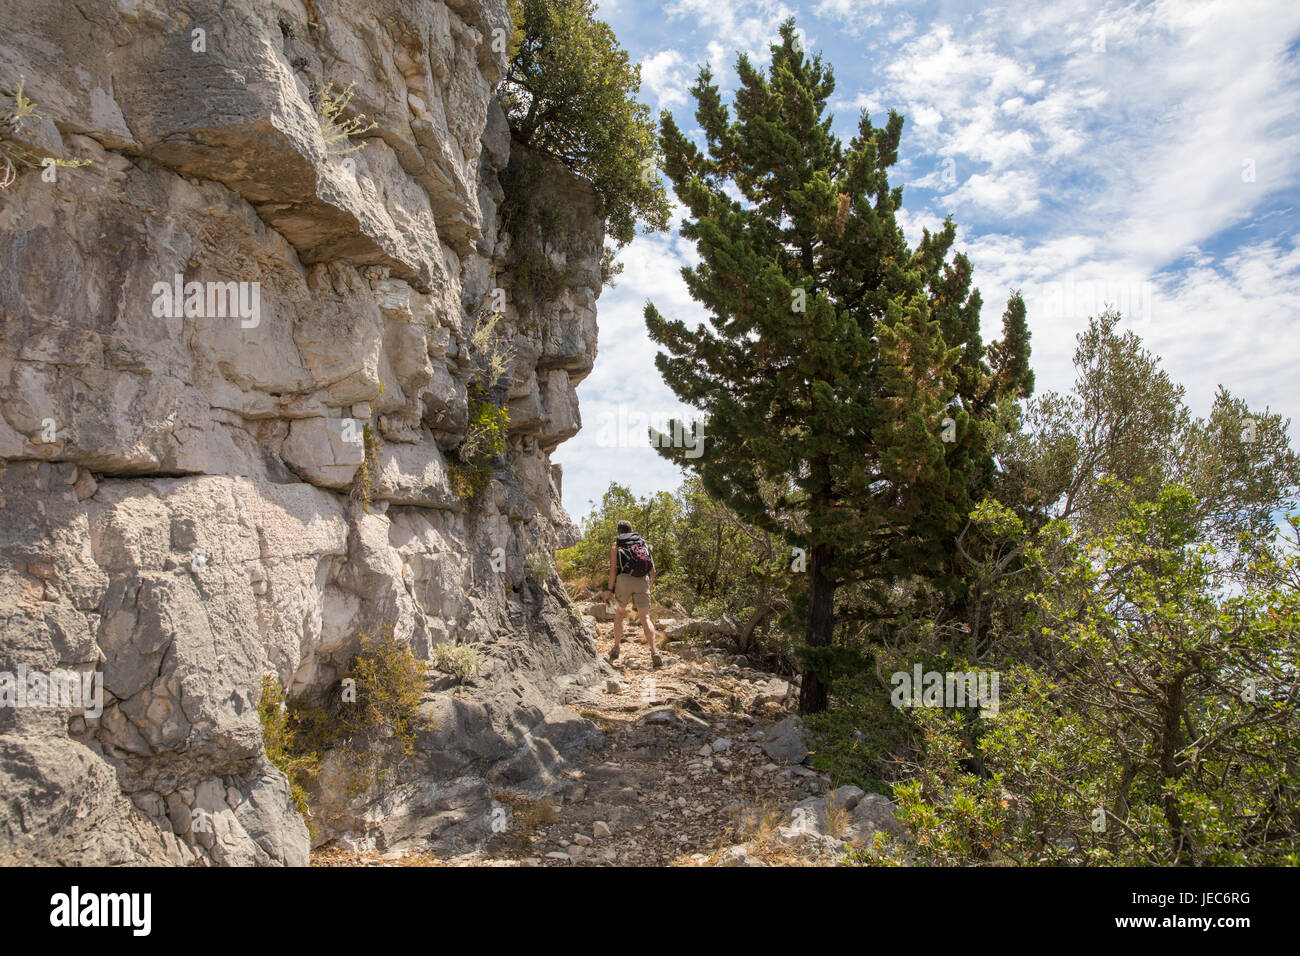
point(634, 555)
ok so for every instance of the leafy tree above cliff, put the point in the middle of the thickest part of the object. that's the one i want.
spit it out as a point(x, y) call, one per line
point(570, 93)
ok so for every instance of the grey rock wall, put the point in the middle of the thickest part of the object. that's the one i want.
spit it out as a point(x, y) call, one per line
point(175, 483)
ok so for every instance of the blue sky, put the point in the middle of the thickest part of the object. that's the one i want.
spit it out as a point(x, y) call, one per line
point(1145, 155)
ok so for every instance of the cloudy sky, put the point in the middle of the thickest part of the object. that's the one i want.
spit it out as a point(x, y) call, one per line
point(1145, 155)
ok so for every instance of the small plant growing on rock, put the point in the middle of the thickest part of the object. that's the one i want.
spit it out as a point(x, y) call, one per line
point(540, 568)
point(485, 437)
point(488, 345)
point(338, 130)
point(363, 483)
point(458, 660)
point(389, 687)
point(13, 155)
point(489, 421)
point(284, 749)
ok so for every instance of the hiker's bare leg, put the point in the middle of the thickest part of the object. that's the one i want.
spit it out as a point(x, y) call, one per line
point(647, 626)
point(618, 624)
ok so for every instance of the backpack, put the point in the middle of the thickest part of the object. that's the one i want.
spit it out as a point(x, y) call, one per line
point(634, 556)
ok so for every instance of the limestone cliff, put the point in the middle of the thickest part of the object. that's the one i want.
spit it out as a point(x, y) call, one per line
point(175, 506)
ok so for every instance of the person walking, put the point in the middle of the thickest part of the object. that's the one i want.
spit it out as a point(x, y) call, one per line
point(631, 578)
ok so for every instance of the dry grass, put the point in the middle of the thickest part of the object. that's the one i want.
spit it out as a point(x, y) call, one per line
point(606, 724)
point(527, 815)
point(837, 820)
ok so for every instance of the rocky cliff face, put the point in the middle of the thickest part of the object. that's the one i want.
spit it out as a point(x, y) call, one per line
point(176, 471)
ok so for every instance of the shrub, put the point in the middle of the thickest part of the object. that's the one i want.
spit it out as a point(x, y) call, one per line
point(491, 352)
point(540, 567)
point(372, 713)
point(485, 437)
point(470, 469)
point(12, 155)
point(283, 748)
point(1162, 727)
point(389, 686)
point(859, 740)
point(458, 660)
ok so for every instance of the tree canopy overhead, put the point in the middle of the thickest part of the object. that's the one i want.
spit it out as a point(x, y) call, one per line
point(571, 93)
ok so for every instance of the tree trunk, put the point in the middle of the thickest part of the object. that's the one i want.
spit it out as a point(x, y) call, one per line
point(821, 626)
point(1170, 745)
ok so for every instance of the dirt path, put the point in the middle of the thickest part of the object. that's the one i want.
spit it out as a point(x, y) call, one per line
point(684, 774)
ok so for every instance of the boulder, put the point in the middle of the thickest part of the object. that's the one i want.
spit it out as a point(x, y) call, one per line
point(784, 741)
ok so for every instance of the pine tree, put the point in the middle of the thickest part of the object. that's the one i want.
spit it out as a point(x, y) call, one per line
point(841, 367)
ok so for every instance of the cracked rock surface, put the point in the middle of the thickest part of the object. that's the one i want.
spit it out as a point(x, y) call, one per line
point(176, 483)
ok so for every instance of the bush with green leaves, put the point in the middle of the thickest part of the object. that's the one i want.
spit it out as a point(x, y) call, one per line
point(540, 567)
point(470, 471)
point(1164, 725)
point(570, 92)
point(300, 765)
point(372, 713)
point(491, 355)
point(861, 738)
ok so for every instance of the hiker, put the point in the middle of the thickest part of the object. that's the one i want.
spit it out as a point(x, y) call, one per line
point(631, 576)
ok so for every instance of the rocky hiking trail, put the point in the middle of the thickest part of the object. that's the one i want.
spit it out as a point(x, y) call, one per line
point(704, 765)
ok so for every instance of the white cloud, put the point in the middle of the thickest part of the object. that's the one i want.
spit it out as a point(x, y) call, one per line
point(665, 76)
point(1097, 155)
point(747, 26)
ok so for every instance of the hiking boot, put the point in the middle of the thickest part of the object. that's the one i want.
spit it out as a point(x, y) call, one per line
point(656, 660)
point(613, 655)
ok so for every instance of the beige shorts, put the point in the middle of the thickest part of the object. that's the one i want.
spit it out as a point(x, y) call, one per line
point(627, 587)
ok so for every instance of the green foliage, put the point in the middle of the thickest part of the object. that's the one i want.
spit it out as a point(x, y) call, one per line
point(468, 481)
point(301, 766)
point(540, 567)
point(1162, 726)
point(570, 92)
point(736, 564)
point(372, 713)
point(485, 438)
point(861, 737)
point(1126, 419)
point(956, 818)
point(838, 362)
point(655, 517)
point(458, 660)
point(363, 481)
point(491, 356)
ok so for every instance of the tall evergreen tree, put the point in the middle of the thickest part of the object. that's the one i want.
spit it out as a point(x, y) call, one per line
point(841, 367)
